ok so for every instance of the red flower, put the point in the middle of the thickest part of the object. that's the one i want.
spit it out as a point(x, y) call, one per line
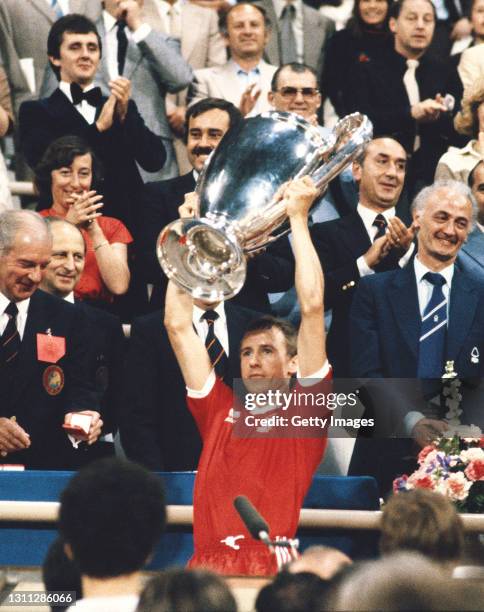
point(363, 58)
point(475, 470)
point(423, 483)
point(424, 452)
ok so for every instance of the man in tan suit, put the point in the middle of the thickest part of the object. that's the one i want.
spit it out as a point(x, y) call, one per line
point(471, 66)
point(202, 46)
point(245, 80)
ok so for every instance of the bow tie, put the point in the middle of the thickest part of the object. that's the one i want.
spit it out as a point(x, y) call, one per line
point(92, 97)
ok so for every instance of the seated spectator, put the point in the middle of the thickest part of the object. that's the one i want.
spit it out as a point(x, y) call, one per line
point(471, 256)
point(404, 581)
point(301, 592)
point(59, 573)
point(457, 163)
point(365, 36)
point(186, 590)
point(105, 334)
point(324, 561)
point(66, 174)
point(112, 515)
point(422, 521)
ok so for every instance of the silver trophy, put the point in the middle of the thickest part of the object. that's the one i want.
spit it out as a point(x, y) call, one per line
point(240, 210)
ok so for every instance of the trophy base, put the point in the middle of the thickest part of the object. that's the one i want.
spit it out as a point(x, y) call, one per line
point(202, 257)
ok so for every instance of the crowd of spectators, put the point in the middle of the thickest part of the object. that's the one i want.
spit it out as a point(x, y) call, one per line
point(111, 110)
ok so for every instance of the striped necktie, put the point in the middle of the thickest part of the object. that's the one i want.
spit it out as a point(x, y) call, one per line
point(216, 352)
point(287, 38)
point(381, 224)
point(433, 331)
point(10, 341)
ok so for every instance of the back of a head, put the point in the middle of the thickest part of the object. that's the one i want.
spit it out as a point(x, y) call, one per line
point(422, 521)
point(187, 590)
point(301, 592)
point(59, 573)
point(404, 581)
point(112, 515)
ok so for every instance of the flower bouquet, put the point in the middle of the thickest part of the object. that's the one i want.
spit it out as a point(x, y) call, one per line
point(451, 466)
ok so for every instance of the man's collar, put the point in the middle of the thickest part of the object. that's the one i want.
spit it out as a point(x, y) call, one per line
point(280, 5)
point(22, 306)
point(368, 215)
point(421, 270)
point(109, 21)
point(69, 297)
point(236, 67)
point(199, 312)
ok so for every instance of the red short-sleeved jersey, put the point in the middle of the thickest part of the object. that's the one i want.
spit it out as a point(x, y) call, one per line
point(91, 286)
point(274, 473)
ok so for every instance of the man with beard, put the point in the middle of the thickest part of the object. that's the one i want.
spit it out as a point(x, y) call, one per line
point(206, 123)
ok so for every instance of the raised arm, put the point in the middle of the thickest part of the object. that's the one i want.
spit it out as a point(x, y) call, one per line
point(188, 347)
point(309, 281)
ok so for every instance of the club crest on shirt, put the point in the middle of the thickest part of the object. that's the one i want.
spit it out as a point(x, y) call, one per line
point(231, 541)
point(53, 379)
point(232, 416)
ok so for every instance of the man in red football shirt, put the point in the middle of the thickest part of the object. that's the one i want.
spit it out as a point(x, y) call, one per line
point(274, 471)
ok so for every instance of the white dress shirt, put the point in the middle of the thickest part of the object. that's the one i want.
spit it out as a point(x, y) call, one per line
point(297, 24)
point(84, 108)
point(111, 41)
point(220, 325)
point(23, 308)
point(368, 217)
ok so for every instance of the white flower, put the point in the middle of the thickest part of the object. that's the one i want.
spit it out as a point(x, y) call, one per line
point(471, 454)
point(455, 487)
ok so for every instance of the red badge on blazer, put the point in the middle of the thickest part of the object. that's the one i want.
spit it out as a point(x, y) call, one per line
point(50, 348)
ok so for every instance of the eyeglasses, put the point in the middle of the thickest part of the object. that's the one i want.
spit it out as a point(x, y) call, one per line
point(291, 92)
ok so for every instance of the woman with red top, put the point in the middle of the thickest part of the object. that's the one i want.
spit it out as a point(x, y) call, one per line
point(66, 173)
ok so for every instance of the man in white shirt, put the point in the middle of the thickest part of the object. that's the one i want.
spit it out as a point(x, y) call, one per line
point(245, 79)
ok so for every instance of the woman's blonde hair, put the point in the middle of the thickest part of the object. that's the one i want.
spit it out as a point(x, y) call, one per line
point(466, 122)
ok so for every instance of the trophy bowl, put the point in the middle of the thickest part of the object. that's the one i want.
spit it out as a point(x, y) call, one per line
point(240, 207)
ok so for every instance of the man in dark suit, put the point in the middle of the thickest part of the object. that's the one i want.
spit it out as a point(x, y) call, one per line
point(42, 352)
point(104, 331)
point(409, 323)
point(471, 256)
point(112, 126)
point(370, 240)
point(206, 123)
point(402, 91)
point(157, 429)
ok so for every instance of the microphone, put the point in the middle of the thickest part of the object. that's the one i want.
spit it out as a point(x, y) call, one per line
point(254, 522)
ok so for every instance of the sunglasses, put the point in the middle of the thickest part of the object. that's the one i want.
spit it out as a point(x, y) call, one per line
point(291, 92)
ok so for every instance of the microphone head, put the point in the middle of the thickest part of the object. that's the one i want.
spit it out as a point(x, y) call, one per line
point(250, 517)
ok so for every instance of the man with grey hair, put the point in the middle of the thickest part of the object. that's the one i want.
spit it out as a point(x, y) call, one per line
point(411, 322)
point(42, 355)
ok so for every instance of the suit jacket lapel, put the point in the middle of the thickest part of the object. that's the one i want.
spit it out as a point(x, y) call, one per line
point(44, 8)
point(403, 298)
point(353, 234)
point(474, 247)
point(463, 304)
point(191, 25)
point(311, 38)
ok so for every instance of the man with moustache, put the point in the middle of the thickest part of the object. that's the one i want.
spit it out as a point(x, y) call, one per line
point(104, 331)
point(43, 354)
point(366, 242)
point(206, 123)
point(407, 324)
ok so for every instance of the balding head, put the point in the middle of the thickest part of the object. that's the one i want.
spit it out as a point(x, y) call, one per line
point(25, 245)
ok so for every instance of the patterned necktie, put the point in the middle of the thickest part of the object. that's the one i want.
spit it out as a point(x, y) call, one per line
point(216, 352)
point(433, 331)
point(93, 97)
point(413, 92)
point(10, 341)
point(381, 224)
point(122, 45)
point(287, 38)
point(56, 8)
